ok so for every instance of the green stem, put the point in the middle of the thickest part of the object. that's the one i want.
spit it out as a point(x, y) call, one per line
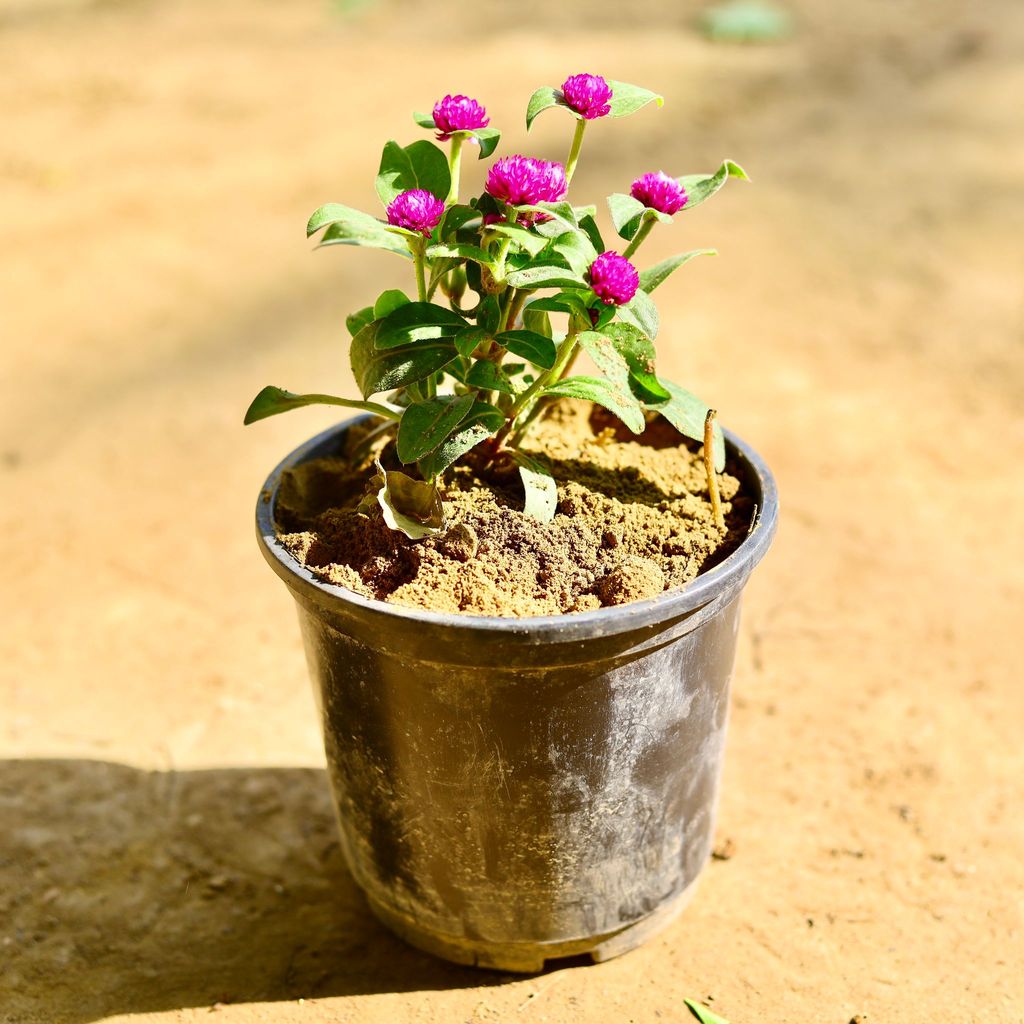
point(563, 368)
point(516, 298)
point(419, 254)
point(574, 149)
point(519, 433)
point(565, 355)
point(642, 232)
point(499, 262)
point(454, 165)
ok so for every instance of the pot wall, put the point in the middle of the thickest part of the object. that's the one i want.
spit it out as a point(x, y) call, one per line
point(542, 802)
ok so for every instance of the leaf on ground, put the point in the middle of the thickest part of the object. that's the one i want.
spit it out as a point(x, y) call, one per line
point(539, 486)
point(410, 506)
point(703, 1014)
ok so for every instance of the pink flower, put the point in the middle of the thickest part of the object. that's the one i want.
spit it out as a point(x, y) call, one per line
point(415, 210)
point(613, 278)
point(553, 184)
point(458, 114)
point(659, 191)
point(524, 181)
point(588, 95)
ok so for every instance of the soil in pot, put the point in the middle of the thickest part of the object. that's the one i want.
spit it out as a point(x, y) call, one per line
point(634, 519)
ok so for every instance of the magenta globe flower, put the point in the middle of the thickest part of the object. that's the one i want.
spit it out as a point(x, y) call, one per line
point(614, 279)
point(588, 95)
point(524, 181)
point(415, 210)
point(458, 114)
point(660, 192)
point(552, 182)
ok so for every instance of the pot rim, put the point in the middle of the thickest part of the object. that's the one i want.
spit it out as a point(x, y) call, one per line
point(567, 625)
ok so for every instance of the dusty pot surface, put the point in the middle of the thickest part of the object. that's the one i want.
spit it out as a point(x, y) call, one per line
point(511, 791)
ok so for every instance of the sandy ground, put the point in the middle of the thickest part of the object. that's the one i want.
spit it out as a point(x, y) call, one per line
point(166, 844)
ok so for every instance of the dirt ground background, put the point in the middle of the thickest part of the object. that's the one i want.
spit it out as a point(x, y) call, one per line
point(166, 845)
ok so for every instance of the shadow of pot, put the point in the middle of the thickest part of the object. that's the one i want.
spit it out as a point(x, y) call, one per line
point(512, 791)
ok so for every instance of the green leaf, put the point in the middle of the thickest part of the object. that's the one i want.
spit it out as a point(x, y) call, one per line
point(687, 413)
point(346, 226)
point(628, 99)
point(543, 276)
point(653, 276)
point(615, 397)
point(355, 322)
point(642, 313)
point(488, 313)
point(271, 401)
point(469, 338)
point(541, 100)
point(425, 121)
point(563, 302)
point(703, 1014)
point(625, 356)
point(483, 374)
point(464, 440)
point(417, 321)
point(541, 491)
point(482, 422)
point(562, 212)
point(424, 425)
point(379, 370)
point(460, 251)
point(537, 320)
point(486, 415)
point(536, 348)
point(526, 240)
point(626, 212)
point(605, 314)
point(387, 302)
point(700, 187)
point(439, 268)
point(454, 218)
point(488, 139)
point(589, 226)
point(419, 165)
point(576, 249)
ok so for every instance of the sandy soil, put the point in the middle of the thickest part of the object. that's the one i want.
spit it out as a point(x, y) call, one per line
point(166, 844)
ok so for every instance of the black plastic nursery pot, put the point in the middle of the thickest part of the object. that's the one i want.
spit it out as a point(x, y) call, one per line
point(511, 791)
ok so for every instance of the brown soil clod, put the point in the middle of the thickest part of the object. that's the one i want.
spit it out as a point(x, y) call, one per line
point(634, 519)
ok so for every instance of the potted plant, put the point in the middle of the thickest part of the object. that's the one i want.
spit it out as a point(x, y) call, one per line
point(518, 583)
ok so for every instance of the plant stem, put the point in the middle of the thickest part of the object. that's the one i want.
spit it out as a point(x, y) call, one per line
point(642, 232)
point(516, 299)
point(454, 166)
point(419, 254)
point(516, 438)
point(563, 364)
point(574, 149)
point(563, 359)
point(499, 263)
point(709, 468)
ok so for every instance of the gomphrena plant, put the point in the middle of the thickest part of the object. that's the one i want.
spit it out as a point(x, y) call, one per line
point(472, 374)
